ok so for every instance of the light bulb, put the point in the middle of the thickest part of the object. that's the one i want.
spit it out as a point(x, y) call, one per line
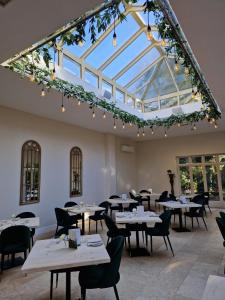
point(178, 125)
point(186, 71)
point(114, 41)
point(81, 43)
point(152, 131)
point(213, 120)
point(143, 133)
point(52, 76)
point(149, 33)
point(210, 121)
point(63, 108)
point(43, 92)
point(165, 134)
point(114, 126)
point(216, 125)
point(123, 126)
point(31, 77)
point(163, 43)
point(193, 94)
point(130, 124)
point(93, 114)
point(194, 127)
point(138, 134)
point(207, 116)
point(104, 115)
point(78, 103)
point(209, 109)
point(176, 66)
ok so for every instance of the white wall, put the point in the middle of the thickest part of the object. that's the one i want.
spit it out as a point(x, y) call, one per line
point(155, 157)
point(56, 139)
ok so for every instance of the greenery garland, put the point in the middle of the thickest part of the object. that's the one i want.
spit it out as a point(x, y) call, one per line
point(98, 24)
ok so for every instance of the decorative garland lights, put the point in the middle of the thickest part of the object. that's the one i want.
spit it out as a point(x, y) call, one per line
point(30, 64)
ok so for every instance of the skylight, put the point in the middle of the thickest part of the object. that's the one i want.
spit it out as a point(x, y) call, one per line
point(127, 58)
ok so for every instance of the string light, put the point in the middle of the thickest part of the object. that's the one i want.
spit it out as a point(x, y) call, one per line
point(138, 133)
point(114, 123)
point(165, 134)
point(32, 77)
point(78, 103)
point(194, 127)
point(178, 124)
point(130, 124)
point(143, 132)
point(123, 125)
point(43, 92)
point(186, 71)
point(213, 120)
point(176, 66)
point(81, 43)
point(104, 115)
point(215, 125)
point(152, 131)
point(114, 40)
point(62, 106)
point(149, 30)
point(163, 43)
point(93, 113)
point(52, 76)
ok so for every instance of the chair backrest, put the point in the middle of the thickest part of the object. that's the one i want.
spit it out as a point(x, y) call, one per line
point(206, 197)
point(70, 204)
point(15, 235)
point(221, 225)
point(114, 197)
point(172, 197)
point(163, 196)
point(134, 192)
point(198, 199)
point(111, 273)
point(164, 226)
point(105, 205)
point(26, 214)
point(62, 217)
point(132, 206)
point(222, 215)
point(144, 191)
point(111, 225)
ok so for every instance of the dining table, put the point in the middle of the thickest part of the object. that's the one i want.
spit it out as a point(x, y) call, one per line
point(148, 217)
point(82, 209)
point(54, 254)
point(121, 201)
point(29, 222)
point(179, 206)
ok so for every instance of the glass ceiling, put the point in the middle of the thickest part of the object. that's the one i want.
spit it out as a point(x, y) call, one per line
point(137, 71)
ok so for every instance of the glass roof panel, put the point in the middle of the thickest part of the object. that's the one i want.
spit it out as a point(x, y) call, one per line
point(151, 92)
point(124, 31)
point(163, 80)
point(169, 102)
point(182, 81)
point(140, 81)
point(137, 68)
point(144, 17)
point(132, 51)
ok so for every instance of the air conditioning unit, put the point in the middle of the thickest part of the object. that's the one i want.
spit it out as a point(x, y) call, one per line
point(127, 149)
point(107, 95)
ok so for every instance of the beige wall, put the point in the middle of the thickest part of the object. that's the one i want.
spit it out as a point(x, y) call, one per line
point(155, 157)
point(102, 171)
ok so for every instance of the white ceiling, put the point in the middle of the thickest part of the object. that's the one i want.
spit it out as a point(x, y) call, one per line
point(25, 22)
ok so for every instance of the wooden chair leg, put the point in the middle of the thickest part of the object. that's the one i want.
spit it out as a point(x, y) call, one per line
point(116, 293)
point(170, 244)
point(51, 285)
point(165, 242)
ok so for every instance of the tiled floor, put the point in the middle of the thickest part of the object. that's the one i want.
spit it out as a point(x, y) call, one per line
point(158, 277)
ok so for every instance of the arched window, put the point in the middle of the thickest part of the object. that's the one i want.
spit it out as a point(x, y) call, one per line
point(30, 173)
point(75, 172)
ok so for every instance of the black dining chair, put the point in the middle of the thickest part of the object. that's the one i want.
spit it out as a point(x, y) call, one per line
point(206, 198)
point(118, 207)
point(28, 214)
point(221, 224)
point(146, 198)
point(161, 229)
point(114, 231)
point(65, 220)
point(137, 198)
point(222, 215)
point(104, 275)
point(162, 198)
point(71, 204)
point(196, 212)
point(14, 239)
point(98, 215)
